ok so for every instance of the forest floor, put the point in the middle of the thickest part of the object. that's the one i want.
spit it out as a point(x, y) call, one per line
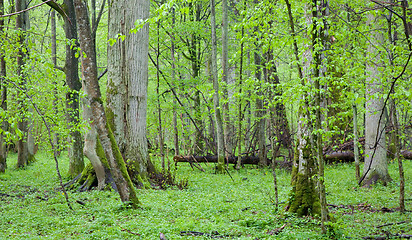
point(212, 206)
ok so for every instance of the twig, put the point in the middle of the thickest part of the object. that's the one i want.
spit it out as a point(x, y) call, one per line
point(25, 10)
point(50, 140)
point(389, 224)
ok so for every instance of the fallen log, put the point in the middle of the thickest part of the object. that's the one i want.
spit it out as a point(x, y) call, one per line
point(407, 154)
point(341, 156)
point(252, 160)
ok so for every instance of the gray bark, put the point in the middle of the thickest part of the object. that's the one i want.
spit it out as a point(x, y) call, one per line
point(376, 165)
point(89, 70)
point(127, 83)
point(218, 116)
point(89, 149)
point(22, 147)
point(71, 70)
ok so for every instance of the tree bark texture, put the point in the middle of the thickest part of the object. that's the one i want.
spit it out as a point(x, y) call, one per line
point(23, 156)
point(218, 117)
point(3, 103)
point(304, 198)
point(376, 165)
point(228, 128)
point(127, 84)
point(89, 71)
point(71, 70)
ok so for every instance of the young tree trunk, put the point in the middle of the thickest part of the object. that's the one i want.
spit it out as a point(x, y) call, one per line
point(159, 110)
point(3, 103)
point(355, 142)
point(376, 165)
point(240, 112)
point(173, 65)
point(228, 129)
point(218, 117)
point(56, 137)
point(260, 113)
point(127, 85)
point(91, 151)
point(118, 169)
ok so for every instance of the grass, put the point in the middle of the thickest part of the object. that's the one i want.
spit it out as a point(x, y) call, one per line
point(242, 208)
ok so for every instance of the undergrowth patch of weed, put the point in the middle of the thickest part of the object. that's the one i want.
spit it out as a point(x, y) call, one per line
point(210, 206)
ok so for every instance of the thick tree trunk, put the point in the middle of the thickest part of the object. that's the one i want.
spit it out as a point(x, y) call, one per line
point(71, 70)
point(118, 169)
point(127, 85)
point(305, 199)
point(218, 117)
point(376, 165)
point(3, 103)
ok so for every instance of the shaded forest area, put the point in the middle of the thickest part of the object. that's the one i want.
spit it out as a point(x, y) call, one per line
point(125, 93)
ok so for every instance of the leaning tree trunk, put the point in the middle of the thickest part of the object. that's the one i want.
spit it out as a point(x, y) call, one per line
point(376, 165)
point(127, 85)
point(118, 169)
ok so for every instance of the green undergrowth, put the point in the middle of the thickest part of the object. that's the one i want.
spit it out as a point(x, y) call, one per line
point(214, 206)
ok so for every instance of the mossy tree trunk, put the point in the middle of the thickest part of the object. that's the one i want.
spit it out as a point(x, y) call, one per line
point(304, 197)
point(118, 169)
point(127, 86)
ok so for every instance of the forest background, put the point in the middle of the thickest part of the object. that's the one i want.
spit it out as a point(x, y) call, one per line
point(240, 82)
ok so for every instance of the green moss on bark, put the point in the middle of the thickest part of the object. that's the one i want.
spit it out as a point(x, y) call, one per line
point(122, 166)
point(304, 199)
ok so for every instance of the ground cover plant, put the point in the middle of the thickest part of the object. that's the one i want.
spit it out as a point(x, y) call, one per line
point(239, 206)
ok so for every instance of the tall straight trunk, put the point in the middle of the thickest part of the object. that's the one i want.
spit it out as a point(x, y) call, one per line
point(218, 116)
point(318, 36)
point(228, 128)
point(240, 111)
point(260, 113)
point(159, 110)
point(56, 137)
point(305, 200)
point(127, 85)
point(376, 165)
point(398, 157)
point(22, 125)
point(3, 103)
point(118, 170)
point(172, 53)
point(71, 69)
